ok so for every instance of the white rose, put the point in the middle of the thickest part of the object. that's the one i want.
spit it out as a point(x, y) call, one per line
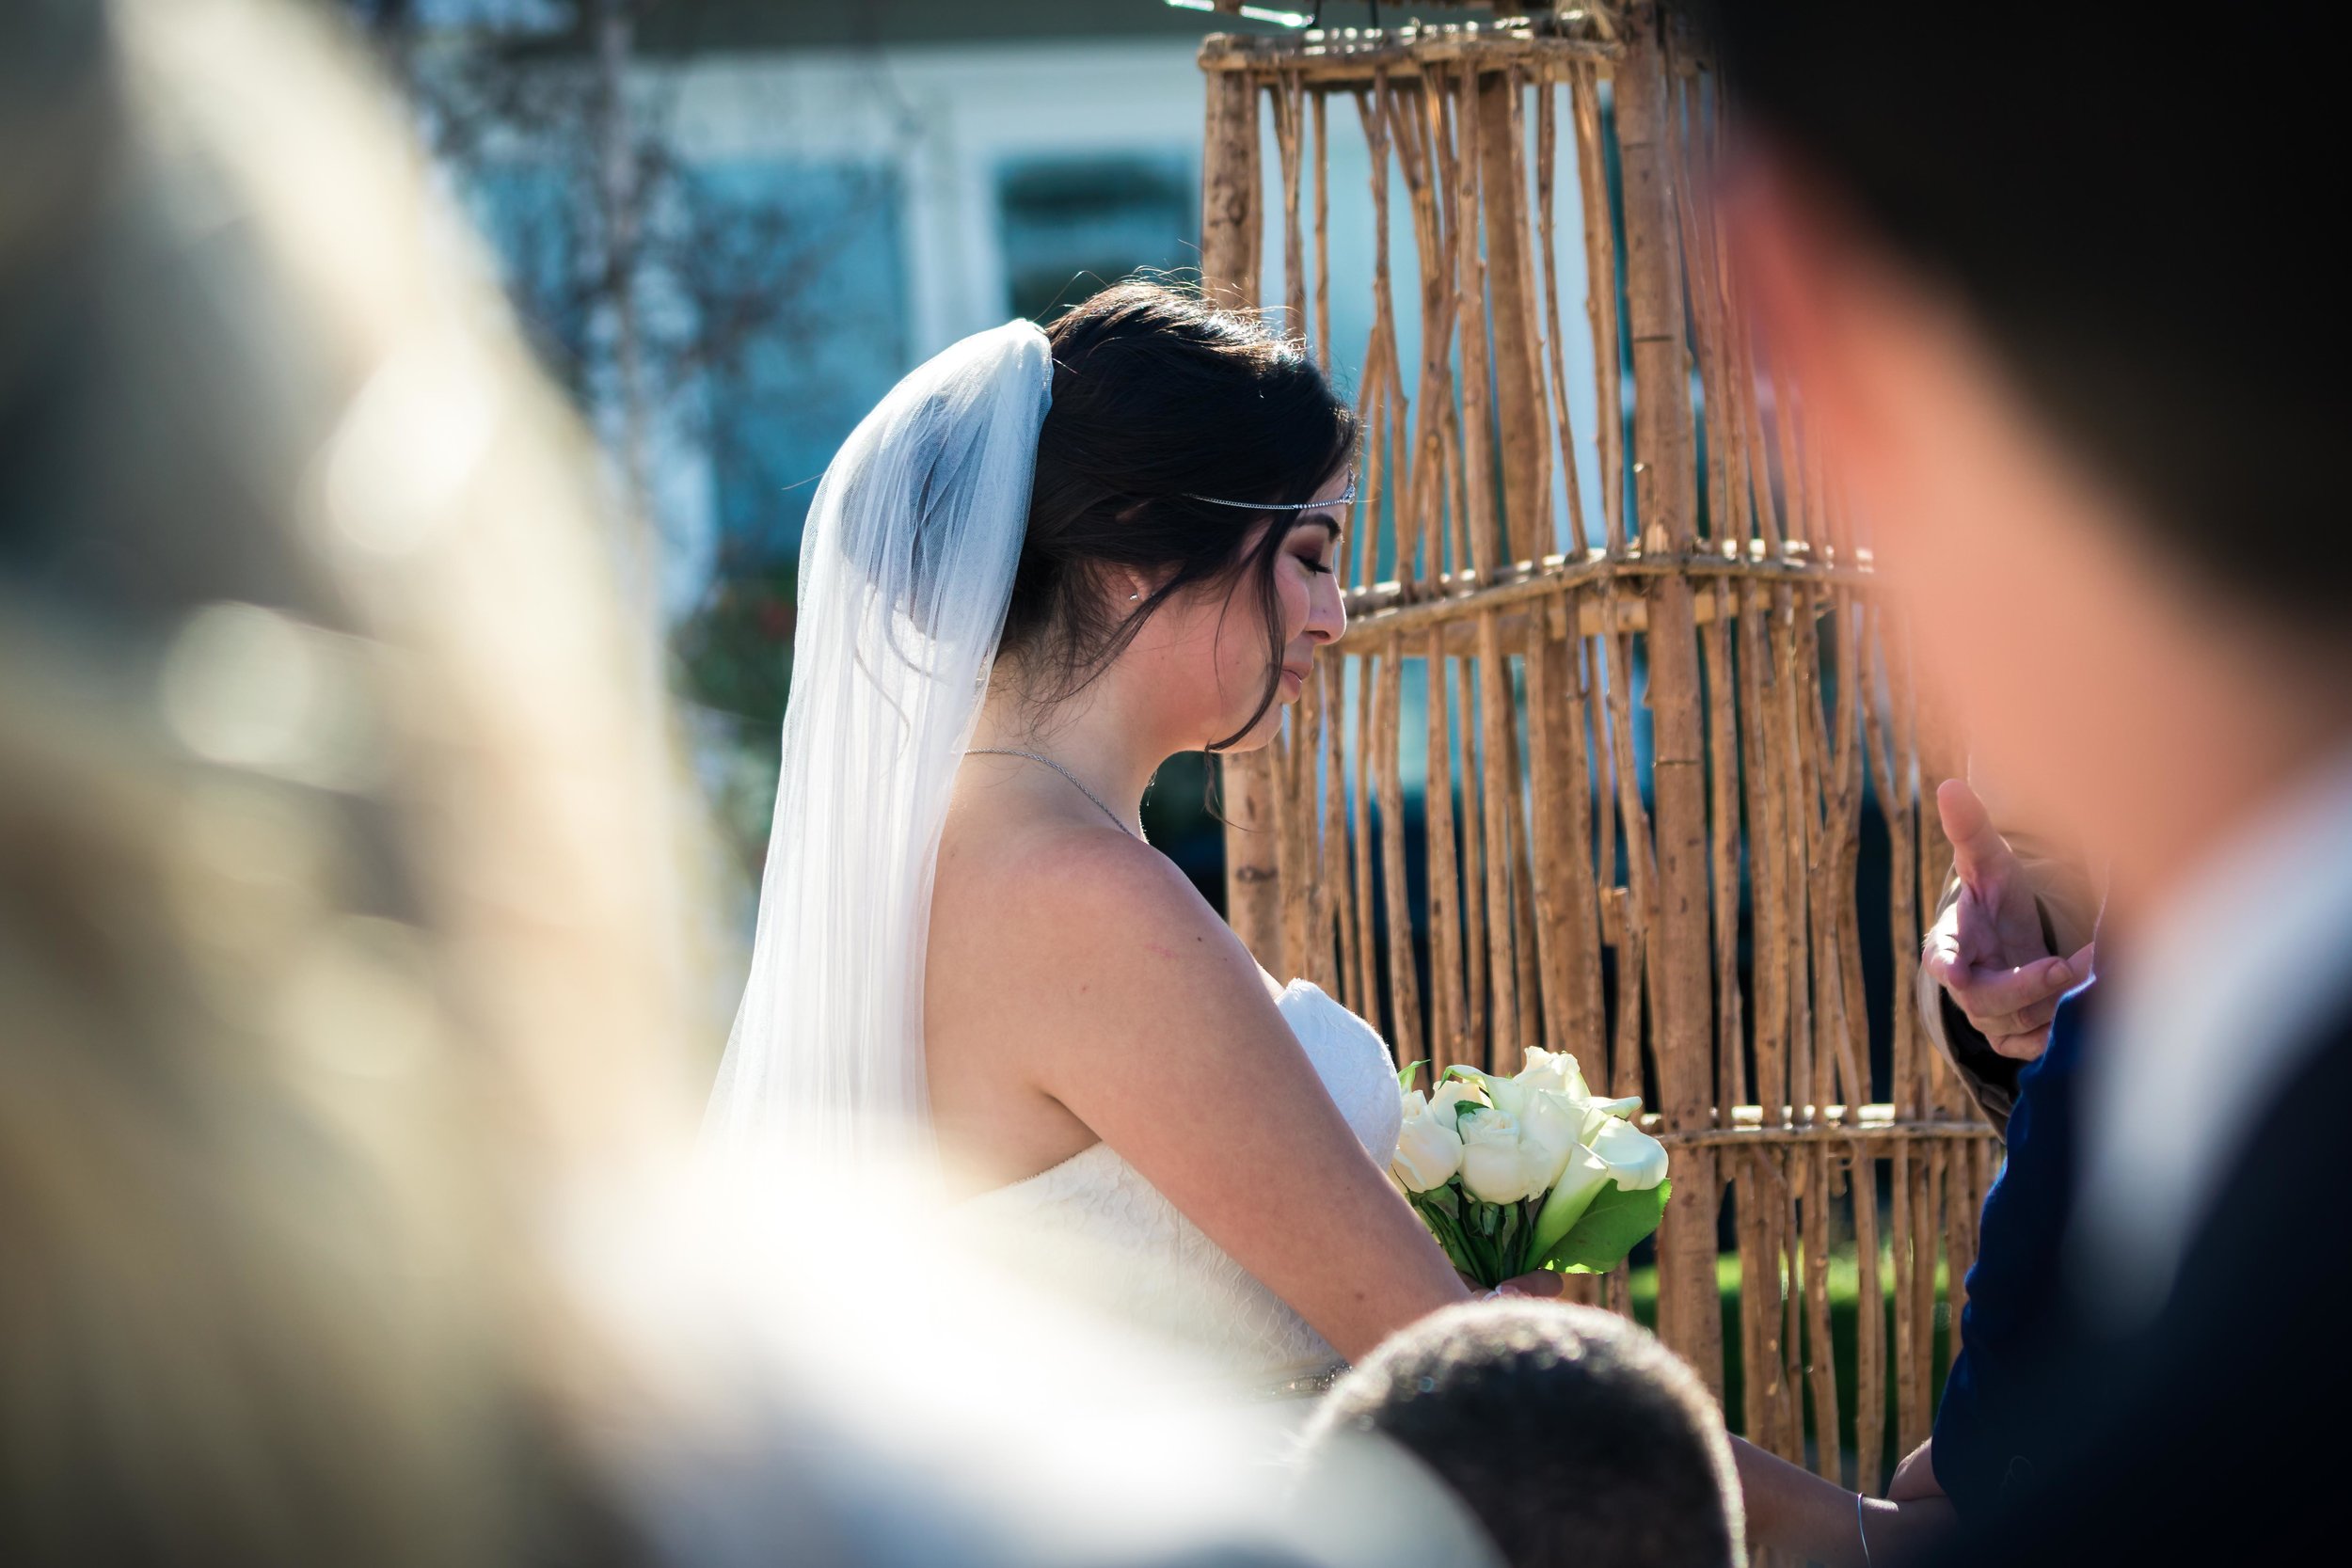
point(1504, 1094)
point(1551, 1126)
point(1495, 1168)
point(1555, 1070)
point(1428, 1150)
point(1451, 1096)
point(1636, 1161)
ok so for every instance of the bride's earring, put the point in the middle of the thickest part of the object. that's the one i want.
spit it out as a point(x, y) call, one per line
point(1134, 596)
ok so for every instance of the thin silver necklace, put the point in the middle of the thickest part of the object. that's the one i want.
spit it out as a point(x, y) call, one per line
point(1010, 752)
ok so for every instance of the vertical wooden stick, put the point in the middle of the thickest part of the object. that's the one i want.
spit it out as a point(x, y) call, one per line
point(1962, 1200)
point(1449, 1029)
point(1475, 922)
point(1517, 376)
point(1323, 235)
point(1306, 926)
point(1592, 655)
point(1478, 432)
point(1381, 370)
point(1566, 924)
point(1404, 979)
point(1819, 1351)
point(1364, 943)
point(1290, 102)
point(1901, 1214)
point(1342, 888)
point(1759, 1341)
point(1418, 158)
point(1634, 980)
point(1543, 535)
point(1789, 1163)
point(1893, 784)
point(1498, 789)
point(1666, 485)
point(1546, 140)
point(1600, 300)
point(1767, 846)
point(1870, 1325)
point(1794, 684)
point(1229, 267)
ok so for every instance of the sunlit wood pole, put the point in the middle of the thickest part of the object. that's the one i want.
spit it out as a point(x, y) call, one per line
point(1230, 252)
point(1666, 507)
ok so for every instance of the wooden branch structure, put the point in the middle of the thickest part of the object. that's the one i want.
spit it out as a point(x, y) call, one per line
point(1591, 767)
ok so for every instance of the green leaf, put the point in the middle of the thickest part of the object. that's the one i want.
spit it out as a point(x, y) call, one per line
point(1507, 1244)
point(1437, 1211)
point(1615, 1223)
point(1405, 1079)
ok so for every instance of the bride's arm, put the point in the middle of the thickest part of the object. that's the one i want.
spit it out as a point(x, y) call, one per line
point(1792, 1510)
point(1147, 1018)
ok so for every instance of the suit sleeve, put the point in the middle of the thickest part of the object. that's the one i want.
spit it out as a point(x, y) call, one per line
point(1986, 1436)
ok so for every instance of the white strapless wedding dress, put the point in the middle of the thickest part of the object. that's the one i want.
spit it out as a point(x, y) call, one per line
point(1106, 1235)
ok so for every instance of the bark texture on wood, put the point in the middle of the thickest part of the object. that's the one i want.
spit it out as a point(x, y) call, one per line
point(1231, 220)
point(1665, 508)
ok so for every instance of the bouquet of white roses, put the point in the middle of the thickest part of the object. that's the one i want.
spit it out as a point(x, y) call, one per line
point(1529, 1172)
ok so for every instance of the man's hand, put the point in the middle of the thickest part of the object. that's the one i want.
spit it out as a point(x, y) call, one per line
point(1988, 950)
point(1914, 1478)
point(1903, 1531)
point(1793, 1511)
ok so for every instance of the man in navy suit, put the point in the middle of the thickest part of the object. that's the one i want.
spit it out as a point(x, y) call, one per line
point(2071, 325)
point(1992, 982)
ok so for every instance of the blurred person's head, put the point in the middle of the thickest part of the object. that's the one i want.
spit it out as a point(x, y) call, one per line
point(342, 1211)
point(1572, 1436)
point(2063, 310)
point(1214, 608)
point(332, 911)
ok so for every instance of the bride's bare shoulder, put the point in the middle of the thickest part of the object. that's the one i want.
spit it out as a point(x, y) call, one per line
point(1067, 898)
point(1056, 872)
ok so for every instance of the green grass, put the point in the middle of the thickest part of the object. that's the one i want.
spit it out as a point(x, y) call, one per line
point(1845, 1289)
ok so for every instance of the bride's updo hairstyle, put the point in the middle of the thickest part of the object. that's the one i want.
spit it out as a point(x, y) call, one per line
point(1159, 396)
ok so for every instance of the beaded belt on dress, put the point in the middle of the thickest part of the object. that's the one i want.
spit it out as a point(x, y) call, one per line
point(1307, 1387)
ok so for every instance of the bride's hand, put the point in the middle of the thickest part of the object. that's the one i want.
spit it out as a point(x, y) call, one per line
point(1543, 1282)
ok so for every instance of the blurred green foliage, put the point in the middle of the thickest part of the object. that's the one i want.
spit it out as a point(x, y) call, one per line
point(733, 654)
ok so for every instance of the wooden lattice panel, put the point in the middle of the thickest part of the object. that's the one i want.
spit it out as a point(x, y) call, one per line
point(1685, 917)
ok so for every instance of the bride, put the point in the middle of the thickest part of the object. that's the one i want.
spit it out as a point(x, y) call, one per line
point(1048, 562)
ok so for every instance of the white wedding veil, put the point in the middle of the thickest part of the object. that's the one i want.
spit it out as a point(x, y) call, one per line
point(906, 568)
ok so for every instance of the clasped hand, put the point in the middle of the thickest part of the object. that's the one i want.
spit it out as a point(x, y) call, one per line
point(1988, 950)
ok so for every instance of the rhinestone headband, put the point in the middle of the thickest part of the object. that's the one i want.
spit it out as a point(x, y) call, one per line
point(1339, 499)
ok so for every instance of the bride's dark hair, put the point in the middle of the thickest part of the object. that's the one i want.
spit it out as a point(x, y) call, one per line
point(1157, 397)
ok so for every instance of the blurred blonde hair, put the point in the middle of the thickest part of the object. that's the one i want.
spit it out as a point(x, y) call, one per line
point(338, 852)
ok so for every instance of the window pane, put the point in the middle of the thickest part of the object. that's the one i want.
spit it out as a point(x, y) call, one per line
point(1071, 226)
